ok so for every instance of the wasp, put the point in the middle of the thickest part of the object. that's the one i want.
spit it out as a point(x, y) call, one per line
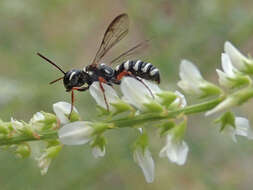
point(82, 79)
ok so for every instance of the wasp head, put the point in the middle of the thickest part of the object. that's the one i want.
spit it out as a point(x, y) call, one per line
point(75, 78)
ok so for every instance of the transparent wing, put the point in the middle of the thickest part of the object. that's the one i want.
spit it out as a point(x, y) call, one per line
point(132, 51)
point(115, 32)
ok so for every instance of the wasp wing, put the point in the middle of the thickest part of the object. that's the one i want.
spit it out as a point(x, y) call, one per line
point(132, 51)
point(116, 31)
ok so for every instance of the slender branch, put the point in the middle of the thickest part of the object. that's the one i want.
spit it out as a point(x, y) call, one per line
point(18, 139)
point(125, 122)
point(149, 117)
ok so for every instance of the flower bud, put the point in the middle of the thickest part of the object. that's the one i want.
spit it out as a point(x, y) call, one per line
point(46, 158)
point(193, 83)
point(241, 62)
point(231, 77)
point(76, 133)
point(175, 148)
point(23, 150)
point(138, 95)
point(98, 147)
point(235, 126)
point(109, 93)
point(62, 111)
point(143, 157)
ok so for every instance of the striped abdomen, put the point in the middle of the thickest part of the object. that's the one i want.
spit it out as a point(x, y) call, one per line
point(141, 69)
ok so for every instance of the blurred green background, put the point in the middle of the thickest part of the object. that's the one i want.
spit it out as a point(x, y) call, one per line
point(69, 32)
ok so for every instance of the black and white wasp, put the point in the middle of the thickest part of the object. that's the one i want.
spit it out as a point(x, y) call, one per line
point(81, 80)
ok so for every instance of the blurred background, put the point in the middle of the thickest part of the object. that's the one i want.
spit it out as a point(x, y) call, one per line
point(69, 32)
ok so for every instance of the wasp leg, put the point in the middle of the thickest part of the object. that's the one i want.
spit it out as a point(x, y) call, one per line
point(72, 102)
point(122, 74)
point(102, 80)
point(127, 73)
point(73, 97)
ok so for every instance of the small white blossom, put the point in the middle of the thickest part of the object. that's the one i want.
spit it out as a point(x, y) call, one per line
point(46, 157)
point(237, 58)
point(144, 159)
point(37, 147)
point(192, 81)
point(43, 163)
point(180, 101)
point(242, 128)
point(136, 93)
point(76, 133)
point(191, 78)
point(231, 77)
point(176, 150)
point(98, 152)
point(97, 93)
point(37, 117)
point(17, 125)
point(62, 111)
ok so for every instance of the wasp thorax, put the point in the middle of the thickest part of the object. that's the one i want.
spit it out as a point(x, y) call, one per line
point(75, 78)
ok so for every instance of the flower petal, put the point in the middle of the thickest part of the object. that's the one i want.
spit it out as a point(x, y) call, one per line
point(62, 110)
point(243, 127)
point(189, 87)
point(136, 93)
point(227, 65)
point(43, 164)
point(176, 151)
point(180, 100)
point(191, 79)
point(231, 132)
point(146, 162)
point(189, 72)
point(37, 117)
point(97, 94)
point(98, 152)
point(223, 80)
point(76, 133)
point(235, 55)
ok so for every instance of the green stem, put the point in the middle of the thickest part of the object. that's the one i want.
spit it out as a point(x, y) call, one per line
point(20, 139)
point(149, 117)
point(125, 122)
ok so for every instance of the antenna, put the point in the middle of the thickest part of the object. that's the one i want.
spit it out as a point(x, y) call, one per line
point(51, 62)
point(56, 80)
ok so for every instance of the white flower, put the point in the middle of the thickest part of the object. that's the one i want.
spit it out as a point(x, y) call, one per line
point(37, 147)
point(192, 81)
point(242, 128)
point(136, 93)
point(237, 58)
point(191, 78)
point(37, 117)
point(231, 77)
point(226, 77)
point(43, 163)
point(176, 150)
point(144, 159)
point(62, 111)
point(180, 101)
point(98, 152)
point(17, 125)
point(76, 133)
point(46, 157)
point(97, 93)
